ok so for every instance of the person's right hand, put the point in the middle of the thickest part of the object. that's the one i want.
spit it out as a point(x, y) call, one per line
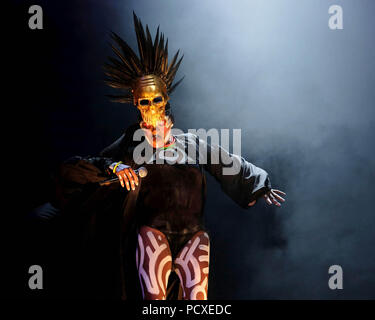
point(126, 175)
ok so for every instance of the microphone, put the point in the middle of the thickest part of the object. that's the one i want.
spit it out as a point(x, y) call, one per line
point(140, 172)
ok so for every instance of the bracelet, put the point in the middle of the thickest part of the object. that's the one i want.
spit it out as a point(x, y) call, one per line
point(115, 167)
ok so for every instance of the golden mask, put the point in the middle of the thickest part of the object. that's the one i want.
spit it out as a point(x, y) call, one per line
point(150, 97)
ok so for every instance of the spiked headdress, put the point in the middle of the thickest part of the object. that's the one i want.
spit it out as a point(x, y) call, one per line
point(124, 70)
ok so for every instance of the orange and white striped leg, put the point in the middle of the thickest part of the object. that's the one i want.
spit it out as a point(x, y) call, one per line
point(154, 263)
point(192, 267)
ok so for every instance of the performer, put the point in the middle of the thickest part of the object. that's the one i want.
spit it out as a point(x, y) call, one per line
point(165, 208)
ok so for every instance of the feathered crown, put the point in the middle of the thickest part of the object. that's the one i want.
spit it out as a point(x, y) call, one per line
point(153, 59)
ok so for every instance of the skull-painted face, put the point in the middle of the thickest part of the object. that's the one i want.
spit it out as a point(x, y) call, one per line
point(150, 97)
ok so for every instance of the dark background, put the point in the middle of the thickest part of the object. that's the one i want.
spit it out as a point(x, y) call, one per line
point(302, 94)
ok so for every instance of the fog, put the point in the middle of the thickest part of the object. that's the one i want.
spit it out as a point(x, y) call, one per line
point(303, 96)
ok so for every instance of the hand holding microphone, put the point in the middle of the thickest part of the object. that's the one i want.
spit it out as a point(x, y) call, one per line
point(126, 175)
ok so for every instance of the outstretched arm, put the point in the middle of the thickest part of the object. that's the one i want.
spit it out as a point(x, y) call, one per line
point(246, 184)
point(272, 197)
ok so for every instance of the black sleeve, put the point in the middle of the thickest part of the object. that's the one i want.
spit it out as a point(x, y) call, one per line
point(78, 176)
point(240, 180)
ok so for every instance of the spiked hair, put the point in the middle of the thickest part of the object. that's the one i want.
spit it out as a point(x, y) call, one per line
point(153, 59)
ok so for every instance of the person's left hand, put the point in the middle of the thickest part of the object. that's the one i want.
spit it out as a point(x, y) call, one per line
point(272, 197)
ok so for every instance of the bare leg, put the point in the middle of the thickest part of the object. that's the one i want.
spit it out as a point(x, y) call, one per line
point(154, 263)
point(191, 266)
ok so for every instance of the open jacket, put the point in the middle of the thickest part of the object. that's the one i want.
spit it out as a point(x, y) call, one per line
point(109, 216)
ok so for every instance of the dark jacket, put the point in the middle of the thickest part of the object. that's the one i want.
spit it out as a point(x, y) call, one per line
point(171, 197)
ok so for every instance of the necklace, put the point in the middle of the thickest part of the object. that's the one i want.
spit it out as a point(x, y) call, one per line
point(170, 143)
